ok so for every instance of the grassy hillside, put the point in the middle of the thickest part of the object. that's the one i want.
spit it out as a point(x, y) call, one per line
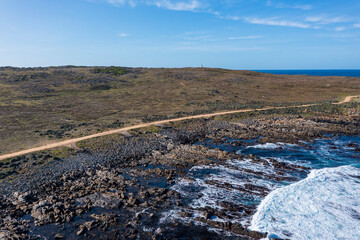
point(39, 105)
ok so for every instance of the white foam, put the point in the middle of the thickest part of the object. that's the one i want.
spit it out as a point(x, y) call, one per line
point(288, 144)
point(303, 163)
point(273, 145)
point(211, 194)
point(233, 173)
point(325, 205)
point(266, 146)
point(248, 164)
point(204, 194)
point(175, 215)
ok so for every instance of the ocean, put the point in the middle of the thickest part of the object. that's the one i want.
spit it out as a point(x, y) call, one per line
point(338, 72)
point(322, 202)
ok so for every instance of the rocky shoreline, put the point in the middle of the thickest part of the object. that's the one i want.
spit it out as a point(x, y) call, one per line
point(129, 191)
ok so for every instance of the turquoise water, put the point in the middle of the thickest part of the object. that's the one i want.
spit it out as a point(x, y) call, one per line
point(345, 73)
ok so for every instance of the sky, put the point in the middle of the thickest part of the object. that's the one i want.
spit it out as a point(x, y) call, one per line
point(234, 34)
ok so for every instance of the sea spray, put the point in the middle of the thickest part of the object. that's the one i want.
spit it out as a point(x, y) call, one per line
point(325, 205)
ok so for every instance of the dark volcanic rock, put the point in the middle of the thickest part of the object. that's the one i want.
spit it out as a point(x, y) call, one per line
point(121, 192)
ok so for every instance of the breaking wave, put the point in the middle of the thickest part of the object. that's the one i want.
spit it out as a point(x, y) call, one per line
point(325, 205)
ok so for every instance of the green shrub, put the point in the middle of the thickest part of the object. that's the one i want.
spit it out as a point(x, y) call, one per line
point(111, 70)
point(100, 87)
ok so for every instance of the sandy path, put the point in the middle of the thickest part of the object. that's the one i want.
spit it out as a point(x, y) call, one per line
point(76, 140)
point(347, 99)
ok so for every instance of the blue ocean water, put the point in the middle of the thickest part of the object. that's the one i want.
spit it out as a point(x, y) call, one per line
point(322, 153)
point(322, 202)
point(338, 72)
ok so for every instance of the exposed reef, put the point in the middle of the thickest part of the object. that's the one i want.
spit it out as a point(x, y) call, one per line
point(147, 186)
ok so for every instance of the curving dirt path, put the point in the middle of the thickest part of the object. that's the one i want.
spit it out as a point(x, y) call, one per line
point(347, 99)
point(76, 140)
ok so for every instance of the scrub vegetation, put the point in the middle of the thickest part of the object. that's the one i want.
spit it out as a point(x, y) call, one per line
point(41, 105)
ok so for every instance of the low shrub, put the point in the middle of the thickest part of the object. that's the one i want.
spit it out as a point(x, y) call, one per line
point(111, 70)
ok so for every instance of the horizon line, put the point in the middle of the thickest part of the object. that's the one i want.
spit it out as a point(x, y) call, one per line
point(268, 69)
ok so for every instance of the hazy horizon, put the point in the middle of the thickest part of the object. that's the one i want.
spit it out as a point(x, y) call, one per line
point(275, 69)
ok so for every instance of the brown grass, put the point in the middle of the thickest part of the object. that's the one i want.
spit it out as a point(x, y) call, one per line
point(45, 104)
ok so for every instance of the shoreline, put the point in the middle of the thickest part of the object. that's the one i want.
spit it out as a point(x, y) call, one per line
point(139, 174)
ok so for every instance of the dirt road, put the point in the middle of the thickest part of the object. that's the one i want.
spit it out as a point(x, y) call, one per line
point(76, 140)
point(347, 99)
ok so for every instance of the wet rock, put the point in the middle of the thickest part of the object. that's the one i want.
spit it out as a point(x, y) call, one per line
point(158, 231)
point(81, 231)
point(88, 225)
point(207, 214)
point(108, 218)
point(105, 200)
point(59, 236)
point(141, 174)
point(131, 201)
point(185, 214)
point(20, 198)
point(41, 212)
point(6, 235)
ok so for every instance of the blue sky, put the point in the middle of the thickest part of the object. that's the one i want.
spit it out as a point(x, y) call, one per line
point(236, 34)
